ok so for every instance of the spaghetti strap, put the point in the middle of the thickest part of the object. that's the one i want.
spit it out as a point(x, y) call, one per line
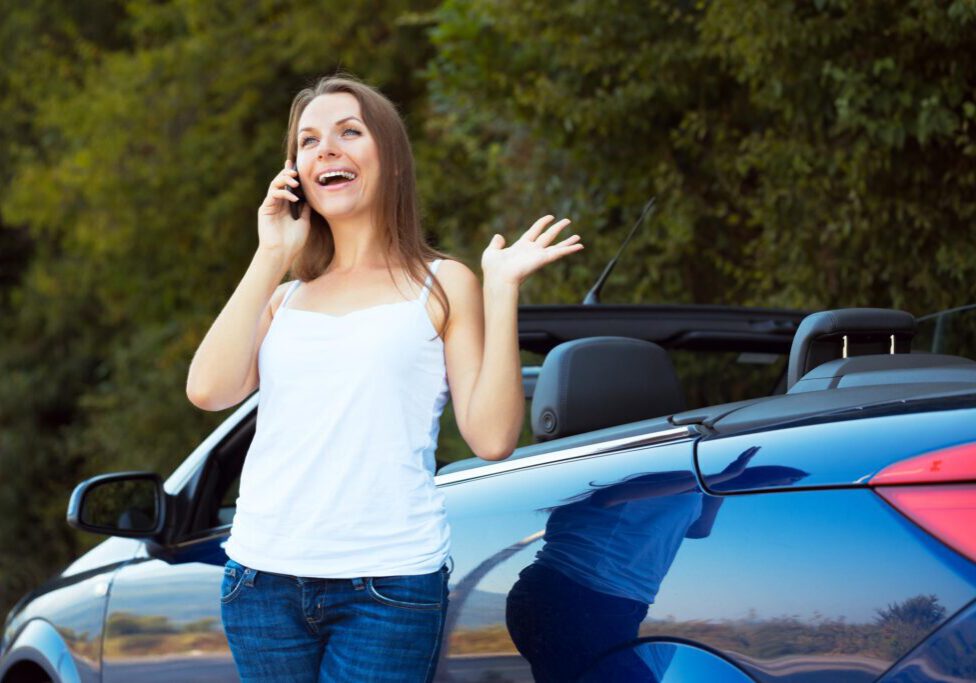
point(291, 290)
point(427, 282)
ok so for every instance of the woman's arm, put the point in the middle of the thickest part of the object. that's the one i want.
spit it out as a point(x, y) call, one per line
point(224, 368)
point(481, 342)
point(483, 366)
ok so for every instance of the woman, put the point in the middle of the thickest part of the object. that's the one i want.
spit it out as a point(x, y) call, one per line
point(337, 566)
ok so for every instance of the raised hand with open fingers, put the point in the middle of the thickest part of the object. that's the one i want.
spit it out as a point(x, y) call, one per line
point(528, 253)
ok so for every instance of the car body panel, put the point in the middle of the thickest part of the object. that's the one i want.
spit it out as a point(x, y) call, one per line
point(668, 661)
point(163, 620)
point(837, 450)
point(759, 571)
point(948, 656)
point(763, 588)
point(42, 645)
point(498, 523)
point(62, 624)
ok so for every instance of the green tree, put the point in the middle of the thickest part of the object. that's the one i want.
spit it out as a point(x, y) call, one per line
point(803, 153)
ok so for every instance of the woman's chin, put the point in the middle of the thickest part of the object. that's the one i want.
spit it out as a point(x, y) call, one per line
point(334, 211)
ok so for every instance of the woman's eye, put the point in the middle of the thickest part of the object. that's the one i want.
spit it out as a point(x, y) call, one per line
point(301, 143)
point(350, 130)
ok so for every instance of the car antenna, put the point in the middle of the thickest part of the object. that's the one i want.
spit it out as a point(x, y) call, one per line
point(593, 296)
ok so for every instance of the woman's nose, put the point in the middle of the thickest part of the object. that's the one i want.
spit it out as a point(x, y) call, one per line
point(328, 148)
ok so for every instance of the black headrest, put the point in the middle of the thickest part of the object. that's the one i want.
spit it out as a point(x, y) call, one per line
point(847, 332)
point(598, 382)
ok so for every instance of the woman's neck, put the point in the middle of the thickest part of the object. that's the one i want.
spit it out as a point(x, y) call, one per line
point(359, 245)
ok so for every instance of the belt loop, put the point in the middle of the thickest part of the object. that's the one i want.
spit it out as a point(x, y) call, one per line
point(249, 575)
point(450, 559)
point(357, 583)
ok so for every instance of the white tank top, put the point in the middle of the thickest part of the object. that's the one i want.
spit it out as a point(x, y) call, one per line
point(339, 479)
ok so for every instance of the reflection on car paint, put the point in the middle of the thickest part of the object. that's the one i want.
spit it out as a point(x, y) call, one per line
point(75, 607)
point(949, 655)
point(163, 623)
point(749, 586)
point(604, 557)
point(663, 662)
point(840, 452)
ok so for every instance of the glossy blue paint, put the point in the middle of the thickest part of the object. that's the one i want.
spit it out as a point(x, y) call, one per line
point(832, 453)
point(948, 655)
point(785, 584)
point(573, 538)
point(62, 625)
point(790, 584)
point(40, 643)
point(664, 662)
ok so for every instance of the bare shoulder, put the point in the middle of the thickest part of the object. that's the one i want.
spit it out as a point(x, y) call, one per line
point(463, 289)
point(456, 276)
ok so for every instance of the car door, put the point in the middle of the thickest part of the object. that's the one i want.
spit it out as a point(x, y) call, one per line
point(163, 618)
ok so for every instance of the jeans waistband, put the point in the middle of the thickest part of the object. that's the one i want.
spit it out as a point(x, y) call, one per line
point(448, 563)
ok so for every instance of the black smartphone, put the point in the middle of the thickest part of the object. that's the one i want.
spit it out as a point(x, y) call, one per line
point(296, 207)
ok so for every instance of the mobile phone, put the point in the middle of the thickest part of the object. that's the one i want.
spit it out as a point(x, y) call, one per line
point(296, 207)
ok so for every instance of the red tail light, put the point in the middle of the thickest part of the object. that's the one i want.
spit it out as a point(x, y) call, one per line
point(946, 512)
point(934, 497)
point(956, 463)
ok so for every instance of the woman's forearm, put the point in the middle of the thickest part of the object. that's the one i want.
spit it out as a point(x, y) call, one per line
point(496, 408)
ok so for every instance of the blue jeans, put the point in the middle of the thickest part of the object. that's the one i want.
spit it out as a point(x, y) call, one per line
point(369, 629)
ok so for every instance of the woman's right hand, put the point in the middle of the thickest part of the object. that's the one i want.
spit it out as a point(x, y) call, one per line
point(276, 228)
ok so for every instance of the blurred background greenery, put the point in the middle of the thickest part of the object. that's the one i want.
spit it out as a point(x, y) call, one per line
point(806, 154)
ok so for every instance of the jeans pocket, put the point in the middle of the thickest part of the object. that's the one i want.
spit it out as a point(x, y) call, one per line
point(410, 591)
point(234, 575)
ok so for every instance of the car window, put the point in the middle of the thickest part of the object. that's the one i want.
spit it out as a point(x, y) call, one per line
point(951, 332)
point(712, 378)
point(708, 378)
point(228, 504)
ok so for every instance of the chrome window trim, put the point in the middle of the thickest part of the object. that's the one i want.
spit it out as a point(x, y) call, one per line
point(572, 453)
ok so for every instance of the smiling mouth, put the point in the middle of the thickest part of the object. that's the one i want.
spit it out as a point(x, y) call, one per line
point(335, 178)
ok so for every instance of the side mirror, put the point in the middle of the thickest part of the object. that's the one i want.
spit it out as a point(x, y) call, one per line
point(130, 504)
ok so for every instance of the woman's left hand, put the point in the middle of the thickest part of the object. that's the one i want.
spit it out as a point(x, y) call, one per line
point(528, 253)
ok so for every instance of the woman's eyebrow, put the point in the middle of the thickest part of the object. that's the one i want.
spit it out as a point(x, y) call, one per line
point(337, 123)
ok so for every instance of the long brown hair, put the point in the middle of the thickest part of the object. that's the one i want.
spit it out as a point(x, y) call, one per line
point(395, 210)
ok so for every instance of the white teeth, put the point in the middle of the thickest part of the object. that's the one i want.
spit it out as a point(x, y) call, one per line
point(348, 175)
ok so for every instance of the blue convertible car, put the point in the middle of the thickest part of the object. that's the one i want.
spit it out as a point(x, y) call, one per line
point(706, 494)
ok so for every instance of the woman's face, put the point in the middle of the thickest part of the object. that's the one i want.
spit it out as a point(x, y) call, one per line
point(338, 163)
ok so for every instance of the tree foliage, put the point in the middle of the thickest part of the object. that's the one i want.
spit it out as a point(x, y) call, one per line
point(803, 153)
